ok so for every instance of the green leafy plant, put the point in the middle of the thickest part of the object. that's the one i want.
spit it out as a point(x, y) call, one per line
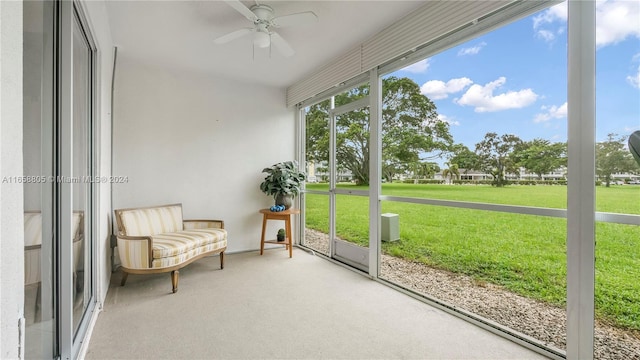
point(281, 234)
point(282, 178)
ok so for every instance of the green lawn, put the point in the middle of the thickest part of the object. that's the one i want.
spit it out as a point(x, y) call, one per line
point(524, 253)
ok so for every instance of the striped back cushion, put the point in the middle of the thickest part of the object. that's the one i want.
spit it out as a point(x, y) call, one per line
point(32, 228)
point(78, 217)
point(151, 221)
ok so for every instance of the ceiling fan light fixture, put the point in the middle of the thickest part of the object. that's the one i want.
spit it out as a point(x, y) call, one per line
point(264, 23)
point(261, 39)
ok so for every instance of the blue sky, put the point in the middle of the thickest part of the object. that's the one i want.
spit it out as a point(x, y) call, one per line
point(514, 79)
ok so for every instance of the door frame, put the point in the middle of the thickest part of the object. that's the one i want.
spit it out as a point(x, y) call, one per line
point(343, 251)
point(70, 340)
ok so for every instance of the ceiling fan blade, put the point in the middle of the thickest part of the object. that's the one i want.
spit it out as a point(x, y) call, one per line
point(303, 18)
point(236, 4)
point(232, 35)
point(281, 44)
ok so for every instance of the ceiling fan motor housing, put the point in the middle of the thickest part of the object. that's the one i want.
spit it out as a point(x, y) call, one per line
point(263, 19)
point(262, 36)
point(264, 14)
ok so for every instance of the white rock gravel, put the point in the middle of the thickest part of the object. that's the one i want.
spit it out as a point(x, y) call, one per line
point(534, 318)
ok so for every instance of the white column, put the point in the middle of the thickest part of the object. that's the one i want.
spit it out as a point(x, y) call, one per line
point(581, 181)
point(375, 173)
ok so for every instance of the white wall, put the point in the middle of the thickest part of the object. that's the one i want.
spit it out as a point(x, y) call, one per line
point(97, 17)
point(190, 138)
point(11, 211)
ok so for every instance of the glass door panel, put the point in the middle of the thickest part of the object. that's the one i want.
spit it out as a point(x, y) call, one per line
point(39, 287)
point(352, 148)
point(316, 229)
point(336, 194)
point(316, 195)
point(350, 181)
point(58, 153)
point(351, 241)
point(317, 140)
point(82, 109)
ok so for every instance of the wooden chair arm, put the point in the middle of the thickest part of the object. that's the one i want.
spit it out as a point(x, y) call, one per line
point(127, 237)
point(136, 252)
point(203, 224)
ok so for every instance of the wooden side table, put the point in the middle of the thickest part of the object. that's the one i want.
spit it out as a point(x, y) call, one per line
point(279, 215)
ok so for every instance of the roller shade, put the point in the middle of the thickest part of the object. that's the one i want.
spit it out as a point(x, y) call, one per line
point(458, 20)
point(421, 26)
point(341, 69)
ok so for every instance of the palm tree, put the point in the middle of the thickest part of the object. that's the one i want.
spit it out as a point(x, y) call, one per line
point(424, 170)
point(451, 172)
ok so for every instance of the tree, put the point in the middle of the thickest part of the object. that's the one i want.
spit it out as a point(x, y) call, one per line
point(390, 170)
point(451, 172)
point(540, 156)
point(317, 135)
point(410, 127)
point(613, 158)
point(463, 157)
point(423, 170)
point(495, 156)
point(428, 169)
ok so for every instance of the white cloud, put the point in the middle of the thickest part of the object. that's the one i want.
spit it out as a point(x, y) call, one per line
point(634, 80)
point(615, 21)
point(546, 35)
point(472, 50)
point(551, 112)
point(448, 120)
point(419, 67)
point(554, 13)
point(483, 99)
point(557, 13)
point(437, 89)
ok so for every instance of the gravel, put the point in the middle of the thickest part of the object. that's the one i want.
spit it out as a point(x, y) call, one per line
point(536, 319)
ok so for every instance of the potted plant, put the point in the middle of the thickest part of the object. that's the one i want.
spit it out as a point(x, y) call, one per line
point(283, 182)
point(281, 235)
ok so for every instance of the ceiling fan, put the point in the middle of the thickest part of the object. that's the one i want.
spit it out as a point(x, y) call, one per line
point(264, 21)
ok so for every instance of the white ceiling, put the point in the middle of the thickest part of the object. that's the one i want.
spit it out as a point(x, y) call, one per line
point(180, 34)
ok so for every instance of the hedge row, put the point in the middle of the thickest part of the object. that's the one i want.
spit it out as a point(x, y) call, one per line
point(423, 181)
point(513, 182)
point(488, 182)
point(538, 182)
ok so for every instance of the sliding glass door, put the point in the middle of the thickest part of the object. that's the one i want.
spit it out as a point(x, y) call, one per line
point(349, 182)
point(40, 285)
point(59, 154)
point(336, 197)
point(83, 169)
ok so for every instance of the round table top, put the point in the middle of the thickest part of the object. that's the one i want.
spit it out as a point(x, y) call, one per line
point(283, 212)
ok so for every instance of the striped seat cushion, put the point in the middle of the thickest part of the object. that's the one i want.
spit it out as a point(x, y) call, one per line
point(179, 259)
point(152, 221)
point(172, 244)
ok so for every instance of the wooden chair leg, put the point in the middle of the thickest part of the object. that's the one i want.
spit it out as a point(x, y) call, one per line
point(264, 228)
point(174, 280)
point(222, 260)
point(37, 314)
point(124, 278)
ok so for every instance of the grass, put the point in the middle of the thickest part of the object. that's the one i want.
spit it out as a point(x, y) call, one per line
point(526, 254)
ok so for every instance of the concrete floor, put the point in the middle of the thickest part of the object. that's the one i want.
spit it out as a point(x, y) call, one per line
point(274, 307)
